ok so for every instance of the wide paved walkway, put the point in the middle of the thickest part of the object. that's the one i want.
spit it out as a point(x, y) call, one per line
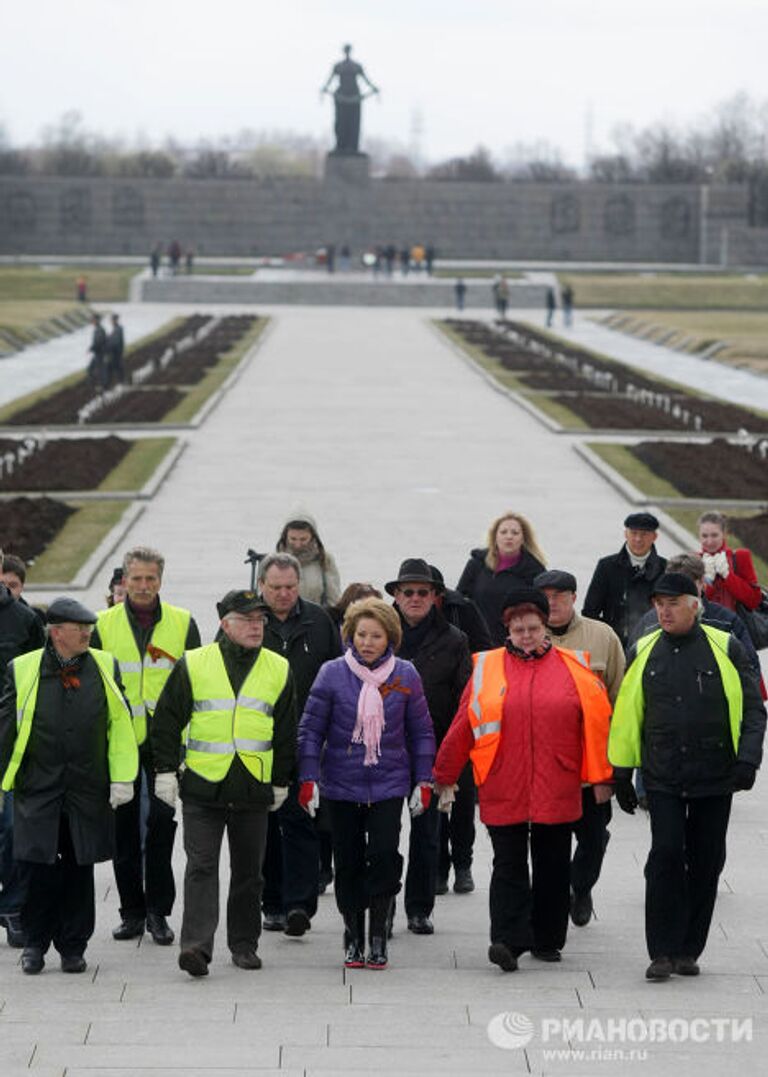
point(400, 449)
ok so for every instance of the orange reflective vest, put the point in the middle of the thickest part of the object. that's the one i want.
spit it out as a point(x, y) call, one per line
point(486, 713)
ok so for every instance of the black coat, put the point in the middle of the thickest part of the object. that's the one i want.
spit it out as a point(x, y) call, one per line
point(444, 663)
point(307, 638)
point(687, 748)
point(21, 630)
point(714, 615)
point(464, 614)
point(488, 589)
point(239, 789)
point(65, 767)
point(620, 594)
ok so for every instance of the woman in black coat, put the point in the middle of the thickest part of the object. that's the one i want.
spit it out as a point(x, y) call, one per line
point(511, 559)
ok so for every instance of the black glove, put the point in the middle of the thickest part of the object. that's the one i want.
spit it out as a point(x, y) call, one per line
point(626, 797)
point(743, 775)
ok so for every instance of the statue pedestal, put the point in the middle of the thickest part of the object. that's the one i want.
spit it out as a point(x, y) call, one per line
point(349, 168)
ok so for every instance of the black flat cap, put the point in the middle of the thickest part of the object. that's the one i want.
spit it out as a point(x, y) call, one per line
point(674, 583)
point(557, 579)
point(413, 570)
point(240, 602)
point(641, 521)
point(63, 610)
point(523, 596)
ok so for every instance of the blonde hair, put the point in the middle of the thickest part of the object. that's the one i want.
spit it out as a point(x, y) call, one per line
point(529, 539)
point(380, 611)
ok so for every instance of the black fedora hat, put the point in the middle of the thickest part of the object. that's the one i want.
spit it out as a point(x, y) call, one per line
point(413, 570)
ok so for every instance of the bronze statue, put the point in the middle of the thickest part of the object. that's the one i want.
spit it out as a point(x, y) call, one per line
point(347, 98)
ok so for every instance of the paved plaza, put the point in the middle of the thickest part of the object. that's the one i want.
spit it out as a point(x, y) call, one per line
point(400, 449)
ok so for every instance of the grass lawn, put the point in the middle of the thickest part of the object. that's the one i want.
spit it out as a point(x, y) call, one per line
point(105, 283)
point(221, 271)
point(745, 333)
point(23, 313)
point(138, 465)
point(187, 408)
point(78, 538)
point(622, 460)
point(668, 291)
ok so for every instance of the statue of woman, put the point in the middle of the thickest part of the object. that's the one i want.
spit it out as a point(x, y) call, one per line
point(347, 98)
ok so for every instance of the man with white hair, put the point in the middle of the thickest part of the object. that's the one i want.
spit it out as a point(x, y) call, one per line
point(689, 713)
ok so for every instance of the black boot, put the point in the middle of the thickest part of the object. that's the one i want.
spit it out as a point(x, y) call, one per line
point(354, 939)
point(377, 954)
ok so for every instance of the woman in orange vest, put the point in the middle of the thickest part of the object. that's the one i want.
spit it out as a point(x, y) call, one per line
point(534, 721)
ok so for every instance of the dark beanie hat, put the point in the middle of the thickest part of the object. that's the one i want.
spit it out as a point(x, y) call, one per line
point(526, 596)
point(675, 583)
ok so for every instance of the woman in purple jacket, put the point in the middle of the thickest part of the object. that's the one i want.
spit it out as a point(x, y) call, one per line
point(366, 740)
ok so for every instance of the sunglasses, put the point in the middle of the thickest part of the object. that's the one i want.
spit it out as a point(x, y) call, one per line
point(422, 592)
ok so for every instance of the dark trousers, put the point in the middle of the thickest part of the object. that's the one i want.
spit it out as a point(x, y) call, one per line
point(144, 878)
point(12, 894)
point(686, 858)
point(59, 903)
point(592, 837)
point(292, 861)
point(530, 913)
point(204, 828)
point(365, 851)
point(457, 830)
point(423, 849)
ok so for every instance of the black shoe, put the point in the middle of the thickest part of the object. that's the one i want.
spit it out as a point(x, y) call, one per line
point(73, 963)
point(421, 925)
point(377, 954)
point(32, 960)
point(686, 966)
point(441, 886)
point(324, 880)
point(129, 928)
point(354, 939)
point(546, 955)
point(193, 962)
point(273, 921)
point(11, 921)
point(297, 923)
point(463, 883)
point(581, 907)
point(158, 928)
point(661, 968)
point(501, 955)
point(246, 959)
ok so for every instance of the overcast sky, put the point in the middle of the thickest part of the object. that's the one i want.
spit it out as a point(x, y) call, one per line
point(495, 72)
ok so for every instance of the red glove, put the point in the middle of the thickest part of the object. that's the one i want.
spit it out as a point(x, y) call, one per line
point(421, 798)
point(309, 797)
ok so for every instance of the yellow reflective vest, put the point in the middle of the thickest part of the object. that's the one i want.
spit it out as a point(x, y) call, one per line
point(122, 753)
point(222, 724)
point(144, 676)
point(625, 747)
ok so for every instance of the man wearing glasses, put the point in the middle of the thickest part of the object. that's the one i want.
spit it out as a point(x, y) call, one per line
point(236, 701)
point(440, 653)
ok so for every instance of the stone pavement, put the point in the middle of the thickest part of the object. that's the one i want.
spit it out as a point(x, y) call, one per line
point(400, 449)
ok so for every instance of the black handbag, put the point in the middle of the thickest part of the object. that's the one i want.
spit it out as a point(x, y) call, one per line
point(756, 620)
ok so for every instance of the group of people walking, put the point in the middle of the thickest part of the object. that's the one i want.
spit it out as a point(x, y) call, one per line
point(105, 367)
point(315, 715)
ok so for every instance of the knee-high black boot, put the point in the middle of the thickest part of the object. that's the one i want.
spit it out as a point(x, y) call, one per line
point(377, 954)
point(354, 939)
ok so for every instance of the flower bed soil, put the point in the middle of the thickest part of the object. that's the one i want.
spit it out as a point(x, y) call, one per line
point(28, 525)
point(65, 464)
point(753, 532)
point(603, 412)
point(714, 470)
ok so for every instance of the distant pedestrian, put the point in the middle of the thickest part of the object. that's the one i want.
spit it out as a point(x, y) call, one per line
point(429, 257)
point(154, 261)
point(189, 261)
point(82, 290)
point(98, 349)
point(345, 259)
point(417, 257)
point(502, 297)
point(320, 580)
point(330, 257)
point(115, 347)
point(567, 297)
point(405, 260)
point(551, 306)
point(390, 254)
point(460, 290)
point(174, 256)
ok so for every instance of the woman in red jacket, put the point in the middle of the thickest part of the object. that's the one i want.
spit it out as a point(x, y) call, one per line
point(534, 721)
point(729, 575)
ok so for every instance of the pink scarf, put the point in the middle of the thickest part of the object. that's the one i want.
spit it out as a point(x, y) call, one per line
point(370, 706)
